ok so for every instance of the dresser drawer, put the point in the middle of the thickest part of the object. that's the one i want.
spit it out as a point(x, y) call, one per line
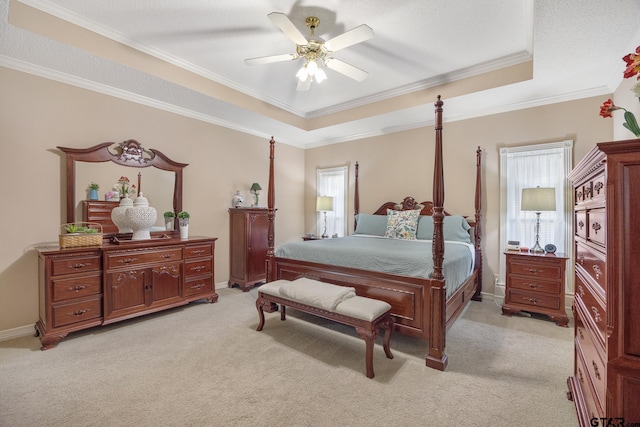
point(595, 315)
point(77, 312)
point(592, 354)
point(197, 267)
point(548, 270)
point(76, 287)
point(533, 299)
point(75, 265)
point(127, 259)
point(198, 286)
point(193, 251)
point(598, 190)
point(536, 285)
point(592, 263)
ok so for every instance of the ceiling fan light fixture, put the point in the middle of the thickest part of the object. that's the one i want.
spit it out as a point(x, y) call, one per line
point(312, 67)
point(320, 75)
point(302, 73)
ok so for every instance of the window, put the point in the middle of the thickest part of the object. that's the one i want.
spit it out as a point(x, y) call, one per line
point(543, 165)
point(333, 182)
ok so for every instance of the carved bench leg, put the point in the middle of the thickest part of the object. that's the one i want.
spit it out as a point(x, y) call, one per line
point(369, 338)
point(259, 305)
point(388, 324)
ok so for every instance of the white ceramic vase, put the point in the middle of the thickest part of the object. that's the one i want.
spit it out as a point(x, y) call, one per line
point(237, 199)
point(141, 218)
point(117, 215)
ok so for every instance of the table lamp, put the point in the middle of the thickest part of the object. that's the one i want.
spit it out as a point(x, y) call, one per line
point(538, 200)
point(255, 189)
point(324, 204)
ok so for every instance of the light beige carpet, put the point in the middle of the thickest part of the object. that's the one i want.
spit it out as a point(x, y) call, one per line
point(205, 365)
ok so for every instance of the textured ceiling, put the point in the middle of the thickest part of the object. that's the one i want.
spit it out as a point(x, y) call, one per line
point(420, 48)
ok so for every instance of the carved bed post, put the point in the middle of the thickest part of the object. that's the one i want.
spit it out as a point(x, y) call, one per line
point(271, 198)
point(477, 296)
point(356, 199)
point(437, 329)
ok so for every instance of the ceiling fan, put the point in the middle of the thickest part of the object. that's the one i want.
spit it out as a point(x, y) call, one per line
point(315, 51)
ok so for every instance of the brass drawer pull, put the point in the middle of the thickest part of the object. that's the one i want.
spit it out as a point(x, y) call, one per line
point(595, 369)
point(531, 300)
point(598, 186)
point(80, 265)
point(581, 224)
point(596, 227)
point(596, 314)
point(533, 271)
point(198, 268)
point(197, 251)
point(79, 312)
point(598, 271)
point(77, 288)
point(198, 286)
point(128, 260)
point(534, 285)
point(165, 256)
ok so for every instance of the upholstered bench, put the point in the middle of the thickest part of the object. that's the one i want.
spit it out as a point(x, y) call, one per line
point(337, 303)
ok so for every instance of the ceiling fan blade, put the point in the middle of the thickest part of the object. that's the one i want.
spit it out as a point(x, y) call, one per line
point(283, 22)
point(304, 84)
point(270, 59)
point(346, 69)
point(349, 38)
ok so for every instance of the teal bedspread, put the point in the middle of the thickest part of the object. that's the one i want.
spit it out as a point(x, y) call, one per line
point(394, 256)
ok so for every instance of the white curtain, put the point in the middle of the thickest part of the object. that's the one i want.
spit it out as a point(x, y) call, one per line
point(333, 182)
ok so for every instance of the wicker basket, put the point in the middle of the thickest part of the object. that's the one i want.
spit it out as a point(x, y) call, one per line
point(81, 239)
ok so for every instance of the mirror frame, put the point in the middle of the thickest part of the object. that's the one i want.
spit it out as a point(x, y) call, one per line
point(128, 153)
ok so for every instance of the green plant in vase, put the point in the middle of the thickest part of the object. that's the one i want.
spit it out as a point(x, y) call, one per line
point(93, 191)
point(169, 220)
point(183, 223)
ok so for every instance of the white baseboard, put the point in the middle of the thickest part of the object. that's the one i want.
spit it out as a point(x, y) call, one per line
point(19, 332)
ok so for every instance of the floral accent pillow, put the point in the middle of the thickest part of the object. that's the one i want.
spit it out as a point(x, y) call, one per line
point(402, 224)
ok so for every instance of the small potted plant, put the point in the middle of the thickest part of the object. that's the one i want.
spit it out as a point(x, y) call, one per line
point(169, 220)
point(183, 223)
point(93, 191)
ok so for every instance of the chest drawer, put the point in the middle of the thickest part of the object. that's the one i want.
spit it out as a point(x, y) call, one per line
point(195, 251)
point(535, 285)
point(595, 315)
point(591, 354)
point(547, 270)
point(597, 226)
point(197, 267)
point(581, 224)
point(592, 263)
point(75, 265)
point(70, 288)
point(77, 312)
point(533, 299)
point(127, 259)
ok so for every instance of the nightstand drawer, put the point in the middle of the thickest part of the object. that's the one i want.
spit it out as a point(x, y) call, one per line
point(533, 299)
point(548, 270)
point(535, 285)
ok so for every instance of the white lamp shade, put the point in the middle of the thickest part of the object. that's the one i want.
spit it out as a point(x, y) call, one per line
point(538, 199)
point(324, 203)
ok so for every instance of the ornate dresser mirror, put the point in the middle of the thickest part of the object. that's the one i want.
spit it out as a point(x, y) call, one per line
point(159, 178)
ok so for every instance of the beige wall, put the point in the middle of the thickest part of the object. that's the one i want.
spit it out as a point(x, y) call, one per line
point(401, 164)
point(36, 115)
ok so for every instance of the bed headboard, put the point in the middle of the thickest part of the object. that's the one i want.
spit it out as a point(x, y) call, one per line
point(409, 204)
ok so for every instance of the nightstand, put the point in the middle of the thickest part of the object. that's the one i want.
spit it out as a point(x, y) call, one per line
point(535, 284)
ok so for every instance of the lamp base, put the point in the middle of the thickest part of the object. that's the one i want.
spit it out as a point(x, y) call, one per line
point(537, 249)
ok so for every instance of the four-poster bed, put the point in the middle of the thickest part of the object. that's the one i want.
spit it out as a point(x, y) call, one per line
point(421, 306)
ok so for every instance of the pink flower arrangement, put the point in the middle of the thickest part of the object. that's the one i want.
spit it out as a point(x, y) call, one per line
point(633, 69)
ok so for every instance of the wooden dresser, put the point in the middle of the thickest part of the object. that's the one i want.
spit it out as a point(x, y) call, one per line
point(605, 385)
point(81, 288)
point(248, 228)
point(535, 284)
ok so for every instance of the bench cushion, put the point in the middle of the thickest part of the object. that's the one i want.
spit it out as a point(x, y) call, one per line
point(363, 308)
point(315, 293)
